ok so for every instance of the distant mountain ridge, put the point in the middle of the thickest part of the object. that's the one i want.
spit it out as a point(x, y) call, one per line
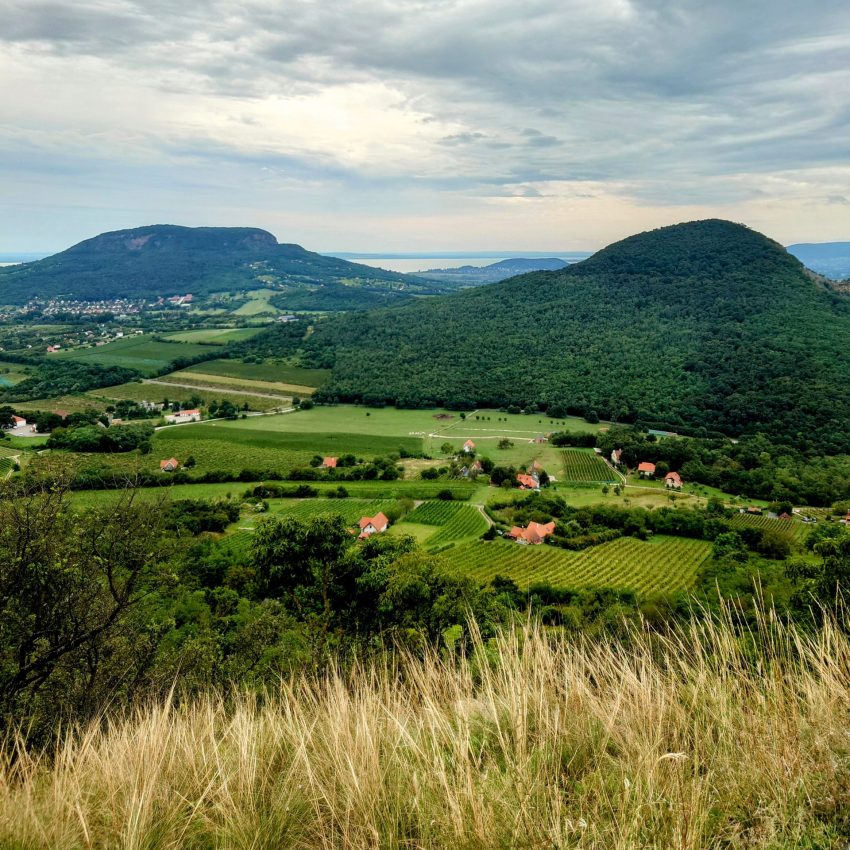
point(164, 260)
point(831, 259)
point(494, 272)
point(704, 325)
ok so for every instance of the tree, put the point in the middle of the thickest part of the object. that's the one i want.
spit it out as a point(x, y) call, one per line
point(69, 582)
point(505, 443)
point(447, 448)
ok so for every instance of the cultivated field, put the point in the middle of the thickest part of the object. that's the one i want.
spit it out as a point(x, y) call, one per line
point(267, 371)
point(792, 529)
point(205, 381)
point(136, 352)
point(443, 524)
point(214, 336)
point(661, 566)
point(157, 392)
point(583, 466)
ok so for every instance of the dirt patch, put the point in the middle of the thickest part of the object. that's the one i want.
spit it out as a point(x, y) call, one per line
point(442, 416)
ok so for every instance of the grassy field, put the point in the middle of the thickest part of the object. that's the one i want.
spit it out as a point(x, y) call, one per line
point(214, 336)
point(266, 371)
point(258, 303)
point(12, 373)
point(660, 566)
point(142, 352)
point(583, 466)
point(530, 740)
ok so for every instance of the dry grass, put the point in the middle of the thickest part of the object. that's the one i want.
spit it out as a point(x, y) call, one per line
point(686, 742)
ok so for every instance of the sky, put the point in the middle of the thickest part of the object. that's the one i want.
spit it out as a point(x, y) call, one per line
point(400, 125)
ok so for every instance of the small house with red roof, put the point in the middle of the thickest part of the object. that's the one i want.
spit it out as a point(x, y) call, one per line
point(533, 535)
point(370, 525)
point(646, 469)
point(527, 482)
point(170, 465)
point(329, 463)
point(673, 481)
point(18, 421)
point(469, 447)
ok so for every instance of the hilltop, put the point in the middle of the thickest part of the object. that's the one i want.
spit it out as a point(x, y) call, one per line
point(705, 325)
point(165, 260)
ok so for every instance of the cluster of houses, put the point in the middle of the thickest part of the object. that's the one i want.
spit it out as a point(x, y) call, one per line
point(672, 481)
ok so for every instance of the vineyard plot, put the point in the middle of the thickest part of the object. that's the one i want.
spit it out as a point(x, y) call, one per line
point(793, 529)
point(453, 523)
point(586, 468)
point(664, 565)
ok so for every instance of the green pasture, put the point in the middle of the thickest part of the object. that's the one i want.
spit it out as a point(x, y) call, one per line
point(213, 336)
point(141, 352)
point(258, 303)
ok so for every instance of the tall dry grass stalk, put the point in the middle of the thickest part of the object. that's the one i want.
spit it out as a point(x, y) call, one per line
point(531, 742)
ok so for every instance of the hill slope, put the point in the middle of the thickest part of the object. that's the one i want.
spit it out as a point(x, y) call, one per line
point(147, 262)
point(701, 324)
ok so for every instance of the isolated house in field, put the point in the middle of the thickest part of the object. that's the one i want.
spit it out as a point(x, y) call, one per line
point(540, 439)
point(616, 456)
point(534, 535)
point(182, 416)
point(328, 463)
point(673, 481)
point(170, 465)
point(18, 422)
point(469, 447)
point(370, 525)
point(528, 482)
point(646, 470)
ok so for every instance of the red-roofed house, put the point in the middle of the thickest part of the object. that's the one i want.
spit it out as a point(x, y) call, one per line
point(469, 447)
point(18, 421)
point(328, 463)
point(169, 465)
point(646, 469)
point(534, 535)
point(370, 525)
point(616, 456)
point(673, 481)
point(527, 482)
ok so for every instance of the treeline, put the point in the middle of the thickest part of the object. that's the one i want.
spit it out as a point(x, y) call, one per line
point(64, 377)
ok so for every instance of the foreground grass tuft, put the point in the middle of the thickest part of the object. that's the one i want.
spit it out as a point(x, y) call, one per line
point(698, 739)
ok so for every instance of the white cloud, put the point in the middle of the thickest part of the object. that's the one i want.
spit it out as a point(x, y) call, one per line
point(387, 123)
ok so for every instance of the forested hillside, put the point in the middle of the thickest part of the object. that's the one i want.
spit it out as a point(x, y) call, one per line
point(706, 325)
point(165, 260)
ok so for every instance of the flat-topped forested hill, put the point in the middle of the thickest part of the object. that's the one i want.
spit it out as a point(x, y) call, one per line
point(166, 260)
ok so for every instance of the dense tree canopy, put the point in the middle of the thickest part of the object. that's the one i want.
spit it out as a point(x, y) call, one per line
point(706, 325)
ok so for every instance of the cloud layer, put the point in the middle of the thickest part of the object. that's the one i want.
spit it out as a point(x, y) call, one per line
point(400, 124)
